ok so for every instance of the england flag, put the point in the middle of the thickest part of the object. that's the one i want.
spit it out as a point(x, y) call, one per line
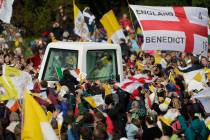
point(174, 28)
point(131, 84)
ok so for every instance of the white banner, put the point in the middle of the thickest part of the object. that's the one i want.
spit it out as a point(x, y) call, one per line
point(157, 40)
point(6, 10)
point(173, 28)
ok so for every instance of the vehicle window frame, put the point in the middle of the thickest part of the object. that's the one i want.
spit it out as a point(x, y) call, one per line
point(48, 57)
point(116, 62)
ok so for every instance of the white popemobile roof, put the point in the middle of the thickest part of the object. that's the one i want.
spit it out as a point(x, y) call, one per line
point(82, 45)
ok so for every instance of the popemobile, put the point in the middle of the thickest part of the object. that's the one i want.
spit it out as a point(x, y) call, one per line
point(99, 61)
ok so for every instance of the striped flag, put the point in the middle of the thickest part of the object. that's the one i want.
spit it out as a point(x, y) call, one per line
point(81, 28)
point(10, 71)
point(94, 101)
point(81, 76)
point(131, 84)
point(112, 27)
point(6, 90)
point(17, 80)
point(59, 73)
point(13, 105)
point(75, 73)
point(36, 125)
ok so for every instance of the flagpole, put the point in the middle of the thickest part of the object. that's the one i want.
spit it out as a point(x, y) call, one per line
point(22, 115)
point(129, 10)
point(99, 110)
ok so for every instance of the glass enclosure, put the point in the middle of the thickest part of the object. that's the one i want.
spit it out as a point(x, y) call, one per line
point(101, 64)
point(57, 60)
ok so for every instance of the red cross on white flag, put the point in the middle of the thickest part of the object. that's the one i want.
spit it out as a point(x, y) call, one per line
point(174, 28)
point(131, 84)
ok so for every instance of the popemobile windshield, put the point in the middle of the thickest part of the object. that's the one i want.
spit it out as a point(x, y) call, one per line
point(100, 61)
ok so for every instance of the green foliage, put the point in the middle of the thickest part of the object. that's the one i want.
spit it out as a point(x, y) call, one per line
point(162, 2)
point(43, 19)
point(201, 3)
point(37, 16)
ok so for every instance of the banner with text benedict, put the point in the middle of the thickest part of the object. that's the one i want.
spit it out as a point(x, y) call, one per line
point(173, 28)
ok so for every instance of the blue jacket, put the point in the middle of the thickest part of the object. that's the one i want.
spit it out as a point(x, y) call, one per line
point(70, 135)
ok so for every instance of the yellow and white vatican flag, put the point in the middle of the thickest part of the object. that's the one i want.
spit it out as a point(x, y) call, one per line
point(10, 71)
point(6, 10)
point(18, 80)
point(6, 90)
point(94, 101)
point(36, 125)
point(80, 26)
point(112, 27)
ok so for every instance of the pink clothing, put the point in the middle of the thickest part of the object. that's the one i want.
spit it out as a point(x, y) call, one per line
point(125, 23)
point(176, 126)
point(151, 52)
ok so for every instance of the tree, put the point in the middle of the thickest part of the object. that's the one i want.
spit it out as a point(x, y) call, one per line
point(201, 3)
point(38, 15)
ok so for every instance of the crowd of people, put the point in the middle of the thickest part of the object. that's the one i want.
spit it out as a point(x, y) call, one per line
point(172, 115)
